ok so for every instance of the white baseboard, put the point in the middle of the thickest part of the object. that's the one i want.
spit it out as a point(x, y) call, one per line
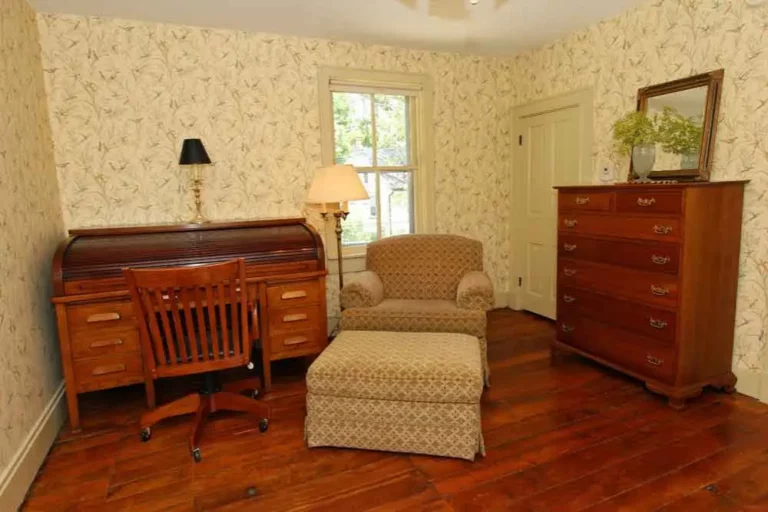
point(501, 299)
point(752, 384)
point(17, 477)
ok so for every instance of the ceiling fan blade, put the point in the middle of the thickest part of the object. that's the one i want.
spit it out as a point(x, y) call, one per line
point(448, 9)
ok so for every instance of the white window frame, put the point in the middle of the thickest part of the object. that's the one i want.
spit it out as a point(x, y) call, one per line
point(419, 88)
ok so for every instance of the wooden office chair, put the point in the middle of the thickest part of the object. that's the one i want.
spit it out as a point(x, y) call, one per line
point(195, 320)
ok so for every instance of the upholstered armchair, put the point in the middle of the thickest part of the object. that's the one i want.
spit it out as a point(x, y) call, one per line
point(421, 283)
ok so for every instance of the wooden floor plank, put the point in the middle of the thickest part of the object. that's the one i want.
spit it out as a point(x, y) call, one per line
point(561, 435)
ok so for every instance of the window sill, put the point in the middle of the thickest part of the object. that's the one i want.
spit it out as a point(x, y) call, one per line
point(352, 263)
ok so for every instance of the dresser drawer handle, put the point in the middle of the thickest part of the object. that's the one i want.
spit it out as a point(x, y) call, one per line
point(295, 340)
point(660, 260)
point(102, 317)
point(645, 203)
point(570, 272)
point(570, 223)
point(297, 294)
point(659, 291)
point(567, 328)
point(106, 370)
point(569, 299)
point(106, 343)
point(662, 230)
point(654, 361)
point(569, 247)
point(582, 200)
point(658, 324)
point(298, 317)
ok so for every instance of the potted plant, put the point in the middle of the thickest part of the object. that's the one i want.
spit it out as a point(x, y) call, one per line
point(682, 136)
point(636, 134)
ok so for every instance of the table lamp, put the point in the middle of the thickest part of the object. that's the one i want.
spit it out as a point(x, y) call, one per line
point(193, 153)
point(337, 185)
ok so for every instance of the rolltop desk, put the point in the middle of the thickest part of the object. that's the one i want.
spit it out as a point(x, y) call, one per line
point(97, 328)
point(647, 278)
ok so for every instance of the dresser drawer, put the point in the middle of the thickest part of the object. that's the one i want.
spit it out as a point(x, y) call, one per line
point(98, 343)
point(644, 256)
point(644, 356)
point(294, 294)
point(646, 320)
point(642, 227)
point(108, 371)
point(294, 319)
point(288, 344)
point(585, 201)
point(649, 201)
point(101, 316)
point(647, 287)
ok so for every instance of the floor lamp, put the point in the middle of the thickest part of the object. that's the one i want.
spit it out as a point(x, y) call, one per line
point(335, 186)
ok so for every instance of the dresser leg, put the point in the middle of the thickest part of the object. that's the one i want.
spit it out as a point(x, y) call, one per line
point(727, 383)
point(74, 412)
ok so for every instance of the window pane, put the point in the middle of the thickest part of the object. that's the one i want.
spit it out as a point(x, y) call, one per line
point(353, 138)
point(360, 226)
point(396, 203)
point(392, 144)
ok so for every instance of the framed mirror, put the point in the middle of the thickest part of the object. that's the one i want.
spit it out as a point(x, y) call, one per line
point(686, 112)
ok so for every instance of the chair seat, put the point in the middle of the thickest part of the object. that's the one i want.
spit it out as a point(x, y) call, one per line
point(402, 366)
point(415, 315)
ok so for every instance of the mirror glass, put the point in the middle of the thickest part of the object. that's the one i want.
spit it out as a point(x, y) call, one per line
point(681, 115)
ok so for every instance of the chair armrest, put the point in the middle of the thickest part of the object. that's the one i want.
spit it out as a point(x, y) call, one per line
point(365, 291)
point(475, 292)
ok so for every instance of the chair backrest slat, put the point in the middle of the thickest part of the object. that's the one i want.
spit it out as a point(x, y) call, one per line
point(191, 318)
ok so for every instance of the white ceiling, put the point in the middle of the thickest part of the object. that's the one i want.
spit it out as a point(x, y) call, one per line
point(490, 27)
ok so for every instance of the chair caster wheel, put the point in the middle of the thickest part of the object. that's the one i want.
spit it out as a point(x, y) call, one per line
point(263, 425)
point(146, 434)
point(196, 455)
point(255, 394)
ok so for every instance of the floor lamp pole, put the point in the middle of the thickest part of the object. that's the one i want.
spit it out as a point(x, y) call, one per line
point(339, 216)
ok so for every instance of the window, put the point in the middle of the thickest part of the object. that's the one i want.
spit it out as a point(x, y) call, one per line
point(377, 122)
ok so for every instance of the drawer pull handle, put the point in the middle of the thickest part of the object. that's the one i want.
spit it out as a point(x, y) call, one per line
point(660, 260)
point(658, 324)
point(102, 317)
point(106, 370)
point(582, 200)
point(654, 361)
point(662, 230)
point(568, 328)
point(569, 299)
point(106, 343)
point(659, 291)
point(295, 340)
point(570, 272)
point(298, 317)
point(569, 247)
point(297, 294)
point(645, 203)
point(570, 223)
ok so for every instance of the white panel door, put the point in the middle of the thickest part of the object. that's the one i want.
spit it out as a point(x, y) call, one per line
point(549, 155)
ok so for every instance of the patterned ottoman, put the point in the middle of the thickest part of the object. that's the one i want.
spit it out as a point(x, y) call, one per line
point(397, 391)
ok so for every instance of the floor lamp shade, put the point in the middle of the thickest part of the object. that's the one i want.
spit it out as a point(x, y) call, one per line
point(336, 184)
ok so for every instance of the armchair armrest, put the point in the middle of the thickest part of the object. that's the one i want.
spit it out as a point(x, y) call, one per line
point(365, 291)
point(475, 292)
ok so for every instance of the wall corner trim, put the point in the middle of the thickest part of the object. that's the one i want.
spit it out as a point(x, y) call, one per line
point(18, 476)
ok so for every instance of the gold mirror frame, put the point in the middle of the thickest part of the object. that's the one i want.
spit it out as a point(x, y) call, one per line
point(714, 82)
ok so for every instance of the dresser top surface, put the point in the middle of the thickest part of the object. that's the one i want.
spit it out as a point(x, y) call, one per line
point(654, 186)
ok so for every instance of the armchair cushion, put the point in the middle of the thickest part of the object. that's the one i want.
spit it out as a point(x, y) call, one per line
point(365, 291)
point(475, 292)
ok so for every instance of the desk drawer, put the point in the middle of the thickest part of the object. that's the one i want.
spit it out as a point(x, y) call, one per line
point(647, 287)
point(654, 257)
point(294, 294)
point(649, 201)
point(108, 371)
point(99, 343)
point(294, 319)
point(291, 344)
point(585, 201)
point(661, 229)
point(101, 316)
point(645, 356)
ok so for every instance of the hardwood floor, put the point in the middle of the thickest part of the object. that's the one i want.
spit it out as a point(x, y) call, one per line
point(562, 435)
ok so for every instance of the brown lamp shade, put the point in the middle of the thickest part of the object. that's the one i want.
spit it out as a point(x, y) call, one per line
point(193, 152)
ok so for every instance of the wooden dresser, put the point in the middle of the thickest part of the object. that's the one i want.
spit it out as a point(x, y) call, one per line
point(646, 281)
point(97, 327)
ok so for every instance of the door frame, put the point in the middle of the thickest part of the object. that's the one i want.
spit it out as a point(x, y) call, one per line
point(581, 98)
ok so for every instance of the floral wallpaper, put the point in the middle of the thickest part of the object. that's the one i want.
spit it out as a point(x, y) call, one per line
point(123, 95)
point(664, 40)
point(30, 228)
